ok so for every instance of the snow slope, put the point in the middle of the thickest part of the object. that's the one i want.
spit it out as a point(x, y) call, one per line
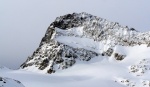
point(7, 82)
point(100, 71)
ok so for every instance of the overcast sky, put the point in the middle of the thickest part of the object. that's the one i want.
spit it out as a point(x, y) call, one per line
point(24, 22)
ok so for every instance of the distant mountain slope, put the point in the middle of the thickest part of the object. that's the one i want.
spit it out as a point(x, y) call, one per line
point(7, 82)
point(81, 36)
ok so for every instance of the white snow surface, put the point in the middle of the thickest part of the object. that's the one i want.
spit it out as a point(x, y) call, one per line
point(7, 82)
point(98, 72)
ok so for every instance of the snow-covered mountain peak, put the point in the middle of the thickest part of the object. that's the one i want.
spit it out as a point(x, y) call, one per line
point(93, 51)
point(81, 37)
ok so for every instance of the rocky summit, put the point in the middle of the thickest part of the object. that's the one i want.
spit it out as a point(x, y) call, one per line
point(80, 37)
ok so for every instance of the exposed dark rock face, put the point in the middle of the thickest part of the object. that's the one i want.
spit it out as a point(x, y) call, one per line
point(108, 52)
point(119, 56)
point(1, 79)
point(59, 56)
point(52, 54)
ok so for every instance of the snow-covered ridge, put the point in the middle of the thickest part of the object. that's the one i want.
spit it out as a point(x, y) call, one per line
point(7, 82)
point(99, 29)
point(81, 36)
